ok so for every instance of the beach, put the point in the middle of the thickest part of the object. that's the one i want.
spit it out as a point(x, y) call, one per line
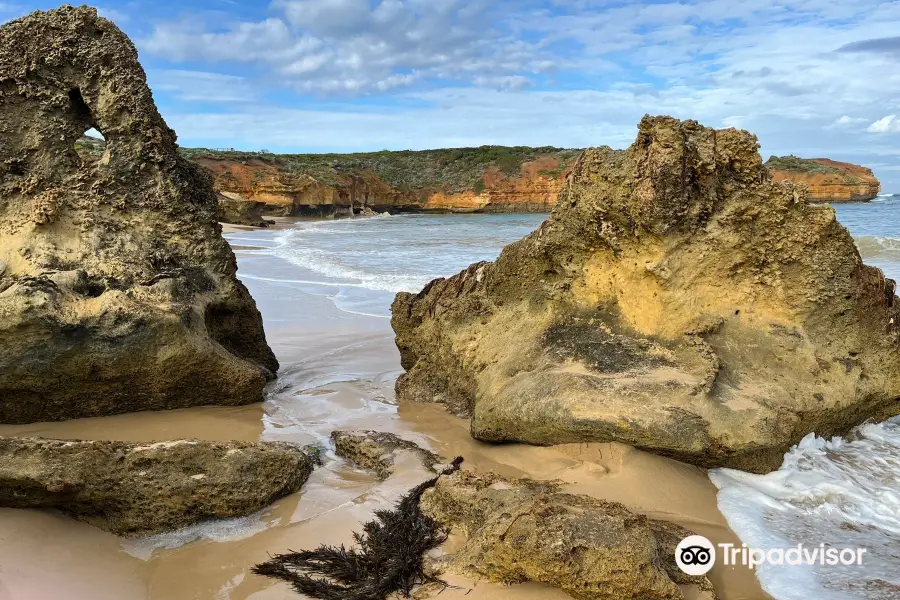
point(338, 371)
point(324, 289)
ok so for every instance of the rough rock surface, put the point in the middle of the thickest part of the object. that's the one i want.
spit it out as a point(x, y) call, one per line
point(377, 451)
point(676, 300)
point(136, 489)
point(524, 530)
point(119, 292)
point(828, 180)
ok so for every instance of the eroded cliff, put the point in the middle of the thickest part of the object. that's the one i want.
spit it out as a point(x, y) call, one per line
point(487, 179)
point(828, 180)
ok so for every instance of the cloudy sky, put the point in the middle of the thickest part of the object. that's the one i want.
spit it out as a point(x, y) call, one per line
point(809, 77)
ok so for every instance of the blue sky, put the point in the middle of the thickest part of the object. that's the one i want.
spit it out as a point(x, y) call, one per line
point(809, 77)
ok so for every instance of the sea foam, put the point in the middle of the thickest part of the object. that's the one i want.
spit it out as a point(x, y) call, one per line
point(843, 492)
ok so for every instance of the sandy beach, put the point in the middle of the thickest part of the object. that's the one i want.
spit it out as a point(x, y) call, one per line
point(338, 371)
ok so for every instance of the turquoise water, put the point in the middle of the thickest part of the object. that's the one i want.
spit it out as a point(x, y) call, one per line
point(362, 263)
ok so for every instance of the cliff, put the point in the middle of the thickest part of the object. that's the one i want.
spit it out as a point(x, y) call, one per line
point(485, 179)
point(828, 180)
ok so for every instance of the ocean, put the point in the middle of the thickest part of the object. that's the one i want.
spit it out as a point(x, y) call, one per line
point(843, 492)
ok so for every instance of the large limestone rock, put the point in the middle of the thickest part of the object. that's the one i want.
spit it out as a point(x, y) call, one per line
point(676, 300)
point(117, 290)
point(137, 489)
point(520, 530)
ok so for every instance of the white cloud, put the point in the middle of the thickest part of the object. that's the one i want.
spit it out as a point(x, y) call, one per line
point(847, 120)
point(325, 17)
point(116, 16)
point(807, 76)
point(504, 83)
point(346, 46)
point(888, 124)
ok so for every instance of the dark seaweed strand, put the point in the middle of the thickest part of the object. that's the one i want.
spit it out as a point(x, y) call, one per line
point(388, 556)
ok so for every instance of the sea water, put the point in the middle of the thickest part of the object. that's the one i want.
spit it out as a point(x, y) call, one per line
point(844, 492)
point(360, 264)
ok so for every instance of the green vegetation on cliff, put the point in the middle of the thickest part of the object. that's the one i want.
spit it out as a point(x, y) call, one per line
point(802, 165)
point(452, 169)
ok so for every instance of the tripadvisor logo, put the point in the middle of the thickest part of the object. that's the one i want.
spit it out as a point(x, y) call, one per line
point(696, 555)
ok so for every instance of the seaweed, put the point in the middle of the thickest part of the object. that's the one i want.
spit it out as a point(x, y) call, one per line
point(388, 557)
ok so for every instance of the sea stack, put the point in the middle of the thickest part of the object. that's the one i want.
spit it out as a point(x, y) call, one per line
point(117, 291)
point(677, 300)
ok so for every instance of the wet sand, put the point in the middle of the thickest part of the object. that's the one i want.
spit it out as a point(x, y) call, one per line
point(338, 371)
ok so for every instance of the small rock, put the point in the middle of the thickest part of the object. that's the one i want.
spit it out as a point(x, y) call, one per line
point(376, 451)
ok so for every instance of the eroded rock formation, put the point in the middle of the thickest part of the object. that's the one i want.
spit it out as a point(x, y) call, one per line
point(521, 530)
point(311, 188)
point(828, 180)
point(677, 299)
point(117, 292)
point(138, 489)
point(241, 212)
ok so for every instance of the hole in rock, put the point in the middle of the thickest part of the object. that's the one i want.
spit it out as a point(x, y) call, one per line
point(91, 146)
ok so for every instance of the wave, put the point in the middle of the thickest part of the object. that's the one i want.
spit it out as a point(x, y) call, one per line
point(844, 492)
point(330, 264)
point(220, 530)
point(878, 247)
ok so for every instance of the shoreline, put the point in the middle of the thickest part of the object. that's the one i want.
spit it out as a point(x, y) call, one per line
point(337, 372)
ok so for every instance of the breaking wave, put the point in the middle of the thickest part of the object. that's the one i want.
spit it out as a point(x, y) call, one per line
point(843, 492)
point(878, 247)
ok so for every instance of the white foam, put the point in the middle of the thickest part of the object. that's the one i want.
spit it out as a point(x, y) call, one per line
point(844, 492)
point(329, 264)
point(878, 247)
point(221, 530)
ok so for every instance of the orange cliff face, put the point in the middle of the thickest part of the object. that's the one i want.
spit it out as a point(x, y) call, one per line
point(828, 180)
point(534, 189)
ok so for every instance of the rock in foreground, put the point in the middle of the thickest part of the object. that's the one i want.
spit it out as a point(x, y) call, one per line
point(376, 451)
point(137, 489)
point(676, 300)
point(117, 291)
point(523, 530)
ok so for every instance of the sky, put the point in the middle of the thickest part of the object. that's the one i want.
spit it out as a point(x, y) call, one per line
point(814, 78)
